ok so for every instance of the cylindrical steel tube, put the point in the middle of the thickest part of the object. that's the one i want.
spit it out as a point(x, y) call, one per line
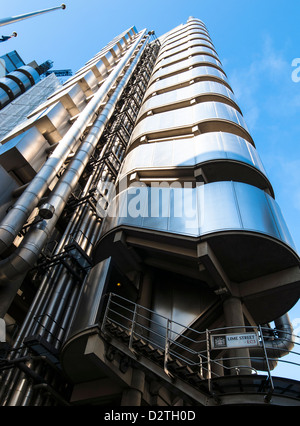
point(28, 252)
point(18, 214)
point(11, 19)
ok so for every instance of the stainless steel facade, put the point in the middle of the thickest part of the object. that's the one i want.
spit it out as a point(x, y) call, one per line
point(140, 215)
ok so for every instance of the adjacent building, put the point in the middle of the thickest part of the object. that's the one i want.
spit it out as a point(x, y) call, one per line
point(145, 261)
point(16, 77)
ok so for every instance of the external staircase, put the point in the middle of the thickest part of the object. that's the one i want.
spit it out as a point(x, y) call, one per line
point(186, 362)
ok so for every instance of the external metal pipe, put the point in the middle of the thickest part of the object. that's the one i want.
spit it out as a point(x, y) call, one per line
point(81, 238)
point(62, 299)
point(10, 20)
point(277, 348)
point(18, 214)
point(41, 228)
point(36, 309)
point(42, 297)
point(94, 236)
point(63, 304)
point(52, 310)
point(84, 239)
point(65, 320)
point(27, 253)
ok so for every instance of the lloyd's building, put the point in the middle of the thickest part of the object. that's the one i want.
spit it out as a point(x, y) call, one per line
point(144, 259)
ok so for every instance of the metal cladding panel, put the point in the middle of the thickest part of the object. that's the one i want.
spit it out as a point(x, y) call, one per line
point(187, 118)
point(184, 78)
point(91, 80)
point(54, 122)
point(207, 209)
point(188, 33)
point(24, 154)
point(218, 209)
point(101, 67)
point(197, 50)
point(88, 310)
point(185, 209)
point(189, 152)
point(7, 186)
point(184, 40)
point(186, 49)
point(187, 44)
point(184, 65)
point(186, 94)
point(183, 29)
point(183, 152)
point(110, 59)
point(279, 219)
point(260, 217)
point(192, 19)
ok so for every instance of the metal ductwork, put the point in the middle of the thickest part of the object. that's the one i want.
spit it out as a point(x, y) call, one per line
point(276, 348)
point(19, 213)
point(27, 254)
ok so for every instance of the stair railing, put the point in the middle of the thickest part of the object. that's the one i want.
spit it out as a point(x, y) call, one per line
point(179, 342)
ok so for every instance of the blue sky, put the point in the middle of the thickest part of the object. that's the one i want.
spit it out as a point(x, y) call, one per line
point(257, 41)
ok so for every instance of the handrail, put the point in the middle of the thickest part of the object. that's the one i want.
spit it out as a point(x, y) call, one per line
point(161, 316)
point(159, 332)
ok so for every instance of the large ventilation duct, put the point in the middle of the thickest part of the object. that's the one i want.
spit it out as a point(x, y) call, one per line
point(276, 348)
